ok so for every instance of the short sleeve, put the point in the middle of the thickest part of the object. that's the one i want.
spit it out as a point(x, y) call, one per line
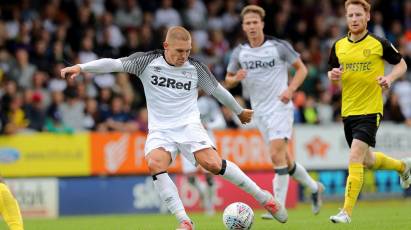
point(333, 59)
point(390, 53)
point(287, 52)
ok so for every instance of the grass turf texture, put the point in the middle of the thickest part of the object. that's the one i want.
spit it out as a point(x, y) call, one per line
point(391, 214)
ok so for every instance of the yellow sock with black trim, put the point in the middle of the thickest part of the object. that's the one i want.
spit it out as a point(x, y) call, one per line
point(353, 187)
point(9, 209)
point(383, 161)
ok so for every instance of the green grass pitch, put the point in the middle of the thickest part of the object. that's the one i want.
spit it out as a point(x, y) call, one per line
point(381, 215)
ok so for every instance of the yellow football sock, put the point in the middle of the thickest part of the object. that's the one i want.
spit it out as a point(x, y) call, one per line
point(353, 187)
point(383, 161)
point(9, 209)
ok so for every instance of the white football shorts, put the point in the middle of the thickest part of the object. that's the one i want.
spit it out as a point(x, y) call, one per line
point(186, 140)
point(279, 125)
point(189, 167)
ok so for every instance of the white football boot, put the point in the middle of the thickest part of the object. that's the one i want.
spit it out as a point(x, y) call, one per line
point(405, 177)
point(341, 217)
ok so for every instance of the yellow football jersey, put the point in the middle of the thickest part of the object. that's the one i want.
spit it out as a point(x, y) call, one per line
point(362, 62)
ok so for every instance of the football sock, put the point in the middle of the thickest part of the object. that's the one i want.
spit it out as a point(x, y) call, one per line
point(199, 185)
point(383, 161)
point(353, 187)
point(280, 184)
point(169, 195)
point(233, 173)
point(9, 209)
point(210, 191)
point(299, 173)
point(209, 179)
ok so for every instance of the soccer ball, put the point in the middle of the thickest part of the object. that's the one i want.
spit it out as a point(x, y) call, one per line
point(238, 216)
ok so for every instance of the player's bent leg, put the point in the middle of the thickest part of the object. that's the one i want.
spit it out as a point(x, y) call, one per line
point(209, 159)
point(209, 195)
point(379, 160)
point(300, 174)
point(158, 161)
point(9, 209)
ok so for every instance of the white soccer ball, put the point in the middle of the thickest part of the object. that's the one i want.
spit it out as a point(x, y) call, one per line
point(238, 216)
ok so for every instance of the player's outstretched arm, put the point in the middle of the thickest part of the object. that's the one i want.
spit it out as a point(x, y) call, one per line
point(104, 65)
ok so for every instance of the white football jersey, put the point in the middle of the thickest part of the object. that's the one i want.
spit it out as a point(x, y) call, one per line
point(267, 73)
point(171, 92)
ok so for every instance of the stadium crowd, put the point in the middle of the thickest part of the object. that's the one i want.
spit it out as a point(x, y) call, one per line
point(38, 38)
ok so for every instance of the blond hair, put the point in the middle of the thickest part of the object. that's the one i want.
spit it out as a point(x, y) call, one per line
point(366, 4)
point(177, 33)
point(253, 9)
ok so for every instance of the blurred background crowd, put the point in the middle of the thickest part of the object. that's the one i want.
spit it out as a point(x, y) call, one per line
point(38, 38)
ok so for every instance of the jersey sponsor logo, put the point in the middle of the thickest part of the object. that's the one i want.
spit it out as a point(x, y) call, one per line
point(357, 66)
point(258, 64)
point(170, 83)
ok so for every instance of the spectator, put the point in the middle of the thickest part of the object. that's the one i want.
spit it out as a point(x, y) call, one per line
point(325, 109)
point(392, 109)
point(39, 56)
point(402, 88)
point(72, 110)
point(166, 15)
point(14, 120)
point(129, 15)
point(117, 119)
point(35, 112)
point(54, 121)
point(24, 70)
point(92, 116)
point(195, 15)
point(86, 53)
point(142, 120)
point(310, 111)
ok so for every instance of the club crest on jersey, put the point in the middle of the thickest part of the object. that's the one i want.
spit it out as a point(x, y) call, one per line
point(157, 69)
point(170, 83)
point(187, 74)
point(258, 64)
point(366, 52)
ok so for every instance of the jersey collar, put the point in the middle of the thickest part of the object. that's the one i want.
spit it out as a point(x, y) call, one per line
point(248, 42)
point(348, 37)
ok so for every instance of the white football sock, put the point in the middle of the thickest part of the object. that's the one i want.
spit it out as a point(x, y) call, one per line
point(280, 184)
point(302, 176)
point(199, 185)
point(234, 174)
point(169, 195)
